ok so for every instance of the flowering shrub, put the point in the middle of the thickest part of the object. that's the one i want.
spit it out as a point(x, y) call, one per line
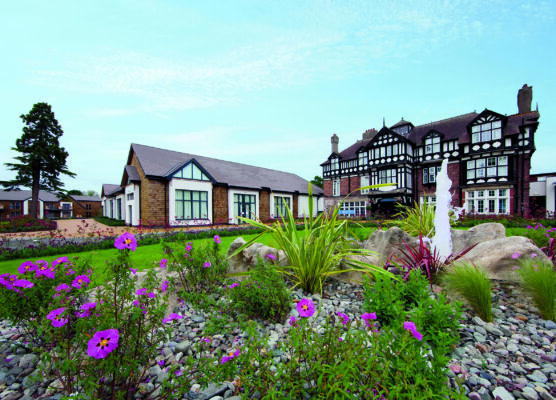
point(200, 270)
point(346, 360)
point(25, 223)
point(102, 342)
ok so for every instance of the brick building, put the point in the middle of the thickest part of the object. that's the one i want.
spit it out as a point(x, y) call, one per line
point(489, 161)
point(16, 203)
point(161, 186)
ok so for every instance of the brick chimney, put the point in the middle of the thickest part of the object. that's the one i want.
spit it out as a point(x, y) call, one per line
point(334, 140)
point(369, 133)
point(524, 99)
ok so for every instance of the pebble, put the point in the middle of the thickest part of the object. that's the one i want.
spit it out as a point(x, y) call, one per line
point(513, 357)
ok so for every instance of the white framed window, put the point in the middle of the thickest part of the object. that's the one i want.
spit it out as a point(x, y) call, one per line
point(365, 182)
point(281, 206)
point(387, 176)
point(336, 187)
point(491, 201)
point(432, 145)
point(486, 132)
point(191, 204)
point(334, 164)
point(487, 167)
point(191, 171)
point(353, 208)
point(363, 158)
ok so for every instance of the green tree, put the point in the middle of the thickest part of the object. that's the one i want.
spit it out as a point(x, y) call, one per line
point(317, 181)
point(91, 193)
point(75, 192)
point(42, 158)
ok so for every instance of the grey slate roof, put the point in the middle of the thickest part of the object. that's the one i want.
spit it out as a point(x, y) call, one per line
point(22, 195)
point(108, 189)
point(86, 198)
point(132, 173)
point(160, 163)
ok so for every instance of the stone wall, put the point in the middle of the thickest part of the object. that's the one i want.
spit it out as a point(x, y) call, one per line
point(154, 198)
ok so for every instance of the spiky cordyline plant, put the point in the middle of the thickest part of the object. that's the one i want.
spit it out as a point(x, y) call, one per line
point(315, 253)
point(473, 284)
point(416, 220)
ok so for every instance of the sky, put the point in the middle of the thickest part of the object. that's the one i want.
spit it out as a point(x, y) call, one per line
point(265, 83)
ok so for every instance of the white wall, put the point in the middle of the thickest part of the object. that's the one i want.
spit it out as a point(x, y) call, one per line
point(27, 207)
point(550, 194)
point(135, 204)
point(273, 212)
point(537, 188)
point(186, 184)
point(231, 192)
point(123, 209)
point(303, 205)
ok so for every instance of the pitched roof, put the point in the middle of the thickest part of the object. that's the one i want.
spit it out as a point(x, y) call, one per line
point(22, 195)
point(402, 122)
point(85, 198)
point(108, 189)
point(132, 173)
point(351, 151)
point(451, 128)
point(157, 162)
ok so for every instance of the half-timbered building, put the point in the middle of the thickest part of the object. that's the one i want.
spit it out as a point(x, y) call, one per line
point(489, 161)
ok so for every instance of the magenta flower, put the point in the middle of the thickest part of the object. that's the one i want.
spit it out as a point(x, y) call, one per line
point(103, 343)
point(151, 295)
point(179, 372)
point(164, 286)
point(217, 239)
point(140, 305)
point(410, 326)
point(367, 317)
point(60, 260)
point(70, 272)
point(141, 292)
point(534, 255)
point(26, 266)
point(171, 317)
point(515, 255)
point(163, 263)
point(46, 272)
point(529, 227)
point(23, 283)
point(188, 248)
point(231, 355)
point(206, 265)
point(56, 317)
point(126, 241)
point(233, 285)
point(206, 340)
point(161, 363)
point(515, 267)
point(80, 280)
point(271, 257)
point(292, 321)
point(133, 270)
point(343, 318)
point(87, 308)
point(305, 308)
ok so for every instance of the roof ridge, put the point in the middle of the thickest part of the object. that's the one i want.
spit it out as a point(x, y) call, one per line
point(448, 119)
point(196, 156)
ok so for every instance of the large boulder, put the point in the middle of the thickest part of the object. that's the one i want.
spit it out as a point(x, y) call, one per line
point(386, 243)
point(500, 256)
point(463, 239)
point(247, 258)
point(356, 277)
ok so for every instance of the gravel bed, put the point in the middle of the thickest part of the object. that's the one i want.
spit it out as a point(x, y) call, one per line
point(512, 358)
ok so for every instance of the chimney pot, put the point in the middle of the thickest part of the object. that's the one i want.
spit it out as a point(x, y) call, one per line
point(524, 99)
point(334, 140)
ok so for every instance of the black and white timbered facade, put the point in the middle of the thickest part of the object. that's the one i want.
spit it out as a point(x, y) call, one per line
point(489, 158)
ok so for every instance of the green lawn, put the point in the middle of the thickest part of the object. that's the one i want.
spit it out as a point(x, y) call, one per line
point(144, 256)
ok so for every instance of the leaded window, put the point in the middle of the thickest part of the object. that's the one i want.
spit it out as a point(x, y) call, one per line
point(486, 132)
point(364, 182)
point(334, 163)
point(432, 145)
point(387, 176)
point(491, 201)
point(363, 158)
point(336, 187)
point(429, 174)
point(487, 167)
point(191, 204)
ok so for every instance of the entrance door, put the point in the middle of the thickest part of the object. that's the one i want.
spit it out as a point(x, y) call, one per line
point(130, 208)
point(244, 206)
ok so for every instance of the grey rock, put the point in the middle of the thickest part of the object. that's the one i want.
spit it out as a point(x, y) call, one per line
point(502, 393)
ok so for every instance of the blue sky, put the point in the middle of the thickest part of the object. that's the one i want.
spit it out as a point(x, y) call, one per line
point(265, 83)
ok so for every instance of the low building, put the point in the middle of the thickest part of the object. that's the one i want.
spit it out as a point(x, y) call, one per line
point(15, 203)
point(543, 194)
point(489, 161)
point(167, 187)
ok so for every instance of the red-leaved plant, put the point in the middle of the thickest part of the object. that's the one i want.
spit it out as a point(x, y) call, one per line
point(428, 261)
point(550, 250)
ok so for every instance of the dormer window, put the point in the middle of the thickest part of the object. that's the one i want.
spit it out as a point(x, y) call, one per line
point(486, 132)
point(432, 145)
point(334, 163)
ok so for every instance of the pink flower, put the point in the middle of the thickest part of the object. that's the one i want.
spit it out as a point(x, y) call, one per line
point(217, 239)
point(230, 356)
point(60, 260)
point(151, 295)
point(188, 248)
point(534, 255)
point(87, 308)
point(515, 255)
point(292, 321)
point(103, 343)
point(171, 317)
point(367, 317)
point(271, 257)
point(515, 267)
point(126, 241)
point(133, 270)
point(63, 287)
point(410, 326)
point(23, 283)
point(56, 317)
point(233, 285)
point(163, 263)
point(206, 265)
point(141, 292)
point(80, 280)
point(343, 318)
point(164, 286)
point(305, 308)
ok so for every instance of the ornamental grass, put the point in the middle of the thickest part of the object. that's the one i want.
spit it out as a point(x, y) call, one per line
point(538, 279)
